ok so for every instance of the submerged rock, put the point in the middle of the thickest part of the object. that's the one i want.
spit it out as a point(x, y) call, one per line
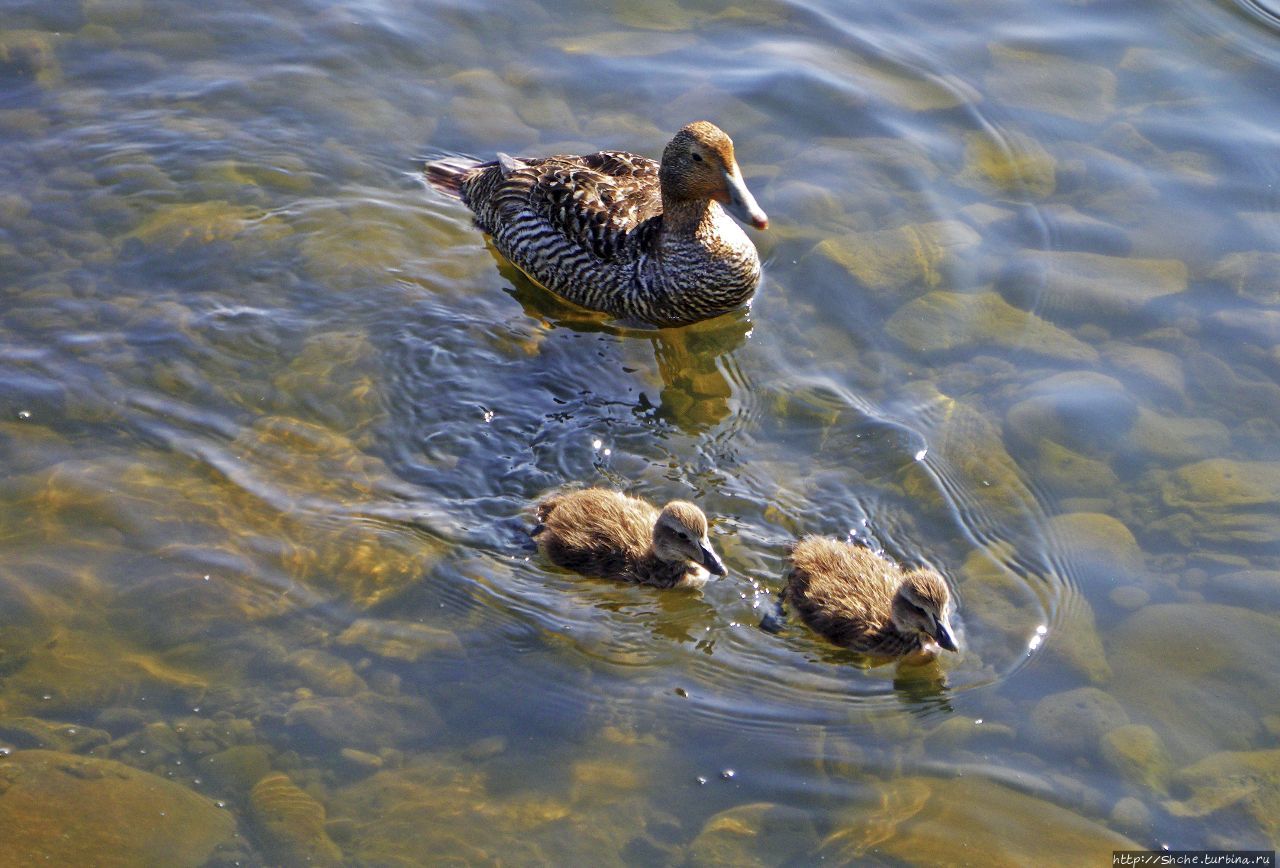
point(1013, 164)
point(1098, 549)
point(1051, 83)
point(291, 823)
point(400, 640)
point(367, 720)
point(1154, 370)
point(1088, 287)
point(1138, 755)
point(60, 809)
point(1086, 412)
point(1178, 439)
point(1069, 474)
point(1230, 501)
point(1234, 783)
point(966, 449)
point(205, 223)
point(887, 260)
point(1173, 661)
point(758, 834)
point(1254, 275)
point(932, 821)
point(30, 55)
point(952, 321)
point(1075, 721)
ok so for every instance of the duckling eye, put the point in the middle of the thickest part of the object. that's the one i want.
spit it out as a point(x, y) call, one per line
point(696, 157)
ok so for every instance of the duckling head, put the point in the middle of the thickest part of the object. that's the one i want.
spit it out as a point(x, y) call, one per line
point(698, 164)
point(922, 605)
point(680, 536)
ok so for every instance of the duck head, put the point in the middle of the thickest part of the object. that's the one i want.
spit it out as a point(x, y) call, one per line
point(698, 164)
point(680, 536)
point(922, 604)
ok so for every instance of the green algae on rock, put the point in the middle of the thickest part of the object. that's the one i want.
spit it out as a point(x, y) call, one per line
point(971, 453)
point(887, 260)
point(61, 809)
point(1178, 439)
point(1011, 164)
point(759, 834)
point(1069, 474)
point(1230, 501)
point(934, 821)
point(291, 824)
point(205, 223)
point(1138, 755)
point(1231, 783)
point(950, 322)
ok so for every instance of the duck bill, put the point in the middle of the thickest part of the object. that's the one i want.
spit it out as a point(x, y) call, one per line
point(712, 562)
point(945, 638)
point(740, 203)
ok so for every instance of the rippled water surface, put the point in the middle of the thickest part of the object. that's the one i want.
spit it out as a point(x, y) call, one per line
point(273, 415)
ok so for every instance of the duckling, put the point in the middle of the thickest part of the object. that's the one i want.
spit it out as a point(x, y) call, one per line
point(619, 233)
point(611, 535)
point(864, 602)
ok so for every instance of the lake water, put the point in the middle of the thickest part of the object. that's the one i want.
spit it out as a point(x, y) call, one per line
point(273, 416)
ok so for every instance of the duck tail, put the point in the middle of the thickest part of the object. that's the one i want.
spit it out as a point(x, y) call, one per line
point(448, 173)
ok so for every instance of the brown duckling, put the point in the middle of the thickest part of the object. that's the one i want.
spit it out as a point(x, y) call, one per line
point(610, 535)
point(867, 603)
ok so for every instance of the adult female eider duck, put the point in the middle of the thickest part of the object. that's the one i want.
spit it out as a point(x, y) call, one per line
point(609, 535)
point(620, 233)
point(868, 604)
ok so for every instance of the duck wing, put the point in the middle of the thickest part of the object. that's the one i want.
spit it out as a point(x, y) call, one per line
point(608, 203)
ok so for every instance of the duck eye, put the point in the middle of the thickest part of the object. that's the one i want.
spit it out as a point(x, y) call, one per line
point(697, 158)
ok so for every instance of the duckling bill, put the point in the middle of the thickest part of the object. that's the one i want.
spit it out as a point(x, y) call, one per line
point(610, 535)
point(620, 233)
point(866, 603)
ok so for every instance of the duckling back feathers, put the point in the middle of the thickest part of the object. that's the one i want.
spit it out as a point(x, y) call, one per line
point(847, 593)
point(621, 233)
point(610, 535)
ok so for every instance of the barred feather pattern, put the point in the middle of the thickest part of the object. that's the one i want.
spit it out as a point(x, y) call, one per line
point(590, 228)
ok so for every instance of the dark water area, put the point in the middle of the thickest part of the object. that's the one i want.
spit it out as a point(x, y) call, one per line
point(273, 415)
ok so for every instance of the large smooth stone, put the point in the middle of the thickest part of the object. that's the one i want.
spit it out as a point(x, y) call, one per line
point(62, 809)
point(1075, 721)
point(1203, 676)
point(1088, 287)
point(1229, 784)
point(1232, 502)
point(756, 834)
point(967, 821)
point(943, 322)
